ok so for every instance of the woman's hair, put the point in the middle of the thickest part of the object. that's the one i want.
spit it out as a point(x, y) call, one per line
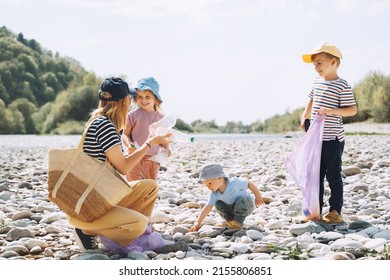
point(115, 111)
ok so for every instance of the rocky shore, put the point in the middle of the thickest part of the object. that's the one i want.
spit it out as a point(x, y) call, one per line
point(31, 227)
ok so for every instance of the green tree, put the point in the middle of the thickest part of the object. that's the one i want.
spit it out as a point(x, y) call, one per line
point(22, 39)
point(181, 125)
point(381, 102)
point(235, 127)
point(69, 127)
point(15, 122)
point(4, 122)
point(71, 105)
point(27, 109)
point(30, 65)
point(205, 126)
point(35, 45)
point(40, 117)
point(4, 95)
point(363, 93)
point(257, 126)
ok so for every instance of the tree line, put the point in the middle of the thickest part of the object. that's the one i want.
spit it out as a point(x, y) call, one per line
point(45, 93)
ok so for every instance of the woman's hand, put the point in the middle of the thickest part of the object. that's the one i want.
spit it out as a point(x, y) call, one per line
point(163, 140)
point(123, 164)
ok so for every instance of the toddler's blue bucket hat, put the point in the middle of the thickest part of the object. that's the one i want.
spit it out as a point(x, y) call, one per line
point(210, 171)
point(151, 84)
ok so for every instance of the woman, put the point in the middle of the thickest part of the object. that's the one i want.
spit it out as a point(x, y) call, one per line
point(129, 219)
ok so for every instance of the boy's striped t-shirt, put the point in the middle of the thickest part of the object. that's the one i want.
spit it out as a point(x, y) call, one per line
point(101, 137)
point(331, 94)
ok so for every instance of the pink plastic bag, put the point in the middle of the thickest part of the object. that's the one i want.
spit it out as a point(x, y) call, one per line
point(304, 167)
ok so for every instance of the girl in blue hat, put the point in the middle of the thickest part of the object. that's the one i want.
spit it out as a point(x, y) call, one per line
point(147, 111)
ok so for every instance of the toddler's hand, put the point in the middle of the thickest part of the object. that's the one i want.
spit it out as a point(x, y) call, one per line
point(259, 201)
point(195, 227)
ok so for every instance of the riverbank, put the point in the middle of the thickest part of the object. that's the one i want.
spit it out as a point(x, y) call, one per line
point(367, 127)
point(33, 228)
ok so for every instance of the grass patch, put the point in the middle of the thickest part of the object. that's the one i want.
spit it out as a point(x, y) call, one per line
point(367, 133)
point(296, 253)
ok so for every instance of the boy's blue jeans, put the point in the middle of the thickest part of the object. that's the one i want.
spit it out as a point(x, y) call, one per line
point(237, 211)
point(332, 152)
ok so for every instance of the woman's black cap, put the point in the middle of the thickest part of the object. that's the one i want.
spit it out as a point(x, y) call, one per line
point(116, 87)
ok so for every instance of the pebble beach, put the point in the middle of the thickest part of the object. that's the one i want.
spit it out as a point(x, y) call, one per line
point(32, 228)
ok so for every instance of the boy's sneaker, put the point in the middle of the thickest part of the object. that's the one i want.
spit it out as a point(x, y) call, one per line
point(333, 217)
point(306, 219)
point(233, 224)
point(84, 241)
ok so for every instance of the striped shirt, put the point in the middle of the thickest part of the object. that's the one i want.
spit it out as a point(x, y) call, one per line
point(101, 137)
point(331, 94)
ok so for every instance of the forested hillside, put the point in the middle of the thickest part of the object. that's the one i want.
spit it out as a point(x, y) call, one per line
point(44, 93)
point(41, 92)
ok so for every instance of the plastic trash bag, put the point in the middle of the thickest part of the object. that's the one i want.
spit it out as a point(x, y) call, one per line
point(304, 166)
point(148, 241)
point(161, 156)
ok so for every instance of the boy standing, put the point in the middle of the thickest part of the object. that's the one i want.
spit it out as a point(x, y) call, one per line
point(330, 96)
point(229, 195)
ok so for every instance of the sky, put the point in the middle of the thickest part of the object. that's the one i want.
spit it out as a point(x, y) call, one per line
point(221, 60)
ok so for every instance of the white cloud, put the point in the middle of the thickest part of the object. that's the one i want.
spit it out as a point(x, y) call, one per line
point(379, 8)
point(346, 6)
point(11, 2)
point(198, 11)
point(362, 7)
point(312, 15)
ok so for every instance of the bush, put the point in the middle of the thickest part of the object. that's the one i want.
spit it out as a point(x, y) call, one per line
point(69, 127)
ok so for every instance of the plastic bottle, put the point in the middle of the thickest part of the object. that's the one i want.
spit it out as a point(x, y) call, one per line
point(164, 126)
point(166, 122)
point(179, 136)
point(132, 147)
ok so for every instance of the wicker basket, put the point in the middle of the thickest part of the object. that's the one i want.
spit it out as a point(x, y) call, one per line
point(82, 186)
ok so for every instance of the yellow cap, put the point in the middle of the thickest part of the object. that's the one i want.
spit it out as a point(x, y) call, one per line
point(324, 47)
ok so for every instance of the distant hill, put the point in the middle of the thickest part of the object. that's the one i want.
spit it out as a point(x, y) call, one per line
point(38, 88)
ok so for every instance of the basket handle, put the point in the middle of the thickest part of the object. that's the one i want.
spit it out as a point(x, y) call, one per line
point(72, 161)
point(83, 197)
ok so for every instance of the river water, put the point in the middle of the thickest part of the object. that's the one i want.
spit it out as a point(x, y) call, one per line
point(48, 141)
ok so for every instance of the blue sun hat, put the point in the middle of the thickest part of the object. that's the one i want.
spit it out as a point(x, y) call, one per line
point(151, 84)
point(210, 171)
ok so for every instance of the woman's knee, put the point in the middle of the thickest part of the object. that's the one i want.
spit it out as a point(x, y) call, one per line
point(125, 231)
point(151, 186)
point(135, 229)
point(143, 187)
